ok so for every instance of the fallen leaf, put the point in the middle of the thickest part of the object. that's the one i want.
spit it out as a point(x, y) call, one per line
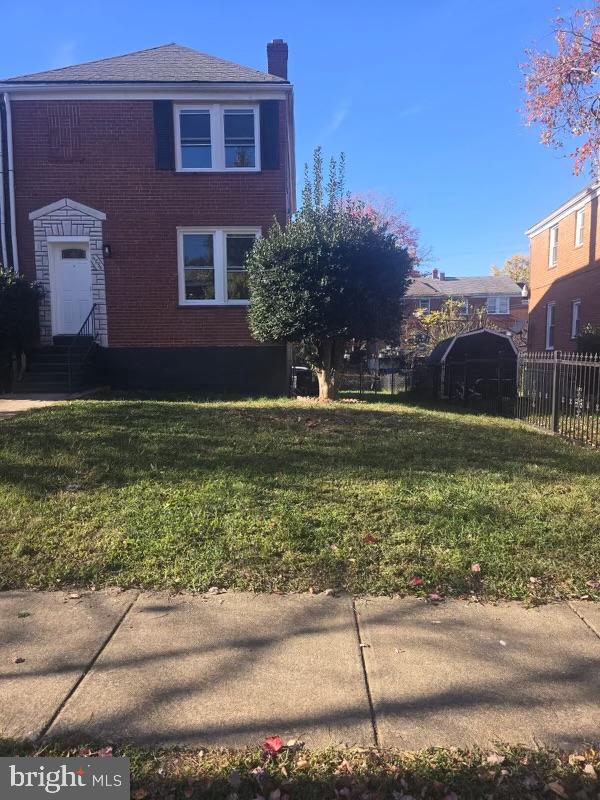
point(23, 614)
point(302, 763)
point(370, 539)
point(416, 581)
point(329, 592)
point(19, 660)
point(216, 590)
point(434, 597)
point(84, 752)
point(139, 794)
point(593, 584)
point(345, 768)
point(273, 744)
point(74, 596)
point(558, 789)
point(495, 758)
point(105, 752)
point(475, 567)
point(590, 771)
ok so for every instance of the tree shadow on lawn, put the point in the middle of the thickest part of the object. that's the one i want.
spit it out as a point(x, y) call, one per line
point(88, 445)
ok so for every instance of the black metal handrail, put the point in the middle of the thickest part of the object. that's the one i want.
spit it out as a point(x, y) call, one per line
point(88, 329)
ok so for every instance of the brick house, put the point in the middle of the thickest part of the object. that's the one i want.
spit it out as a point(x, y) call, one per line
point(134, 186)
point(501, 296)
point(565, 273)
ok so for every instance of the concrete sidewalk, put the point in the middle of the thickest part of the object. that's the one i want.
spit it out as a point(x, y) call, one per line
point(230, 669)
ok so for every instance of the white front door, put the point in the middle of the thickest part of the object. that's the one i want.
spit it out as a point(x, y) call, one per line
point(71, 281)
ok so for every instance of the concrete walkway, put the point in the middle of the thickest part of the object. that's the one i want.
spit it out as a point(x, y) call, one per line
point(230, 669)
point(11, 404)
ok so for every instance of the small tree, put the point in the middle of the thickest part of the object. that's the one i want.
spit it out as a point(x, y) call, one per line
point(431, 327)
point(516, 268)
point(588, 340)
point(334, 273)
point(19, 299)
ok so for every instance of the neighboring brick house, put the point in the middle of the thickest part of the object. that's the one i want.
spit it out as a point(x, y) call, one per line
point(137, 184)
point(500, 295)
point(565, 273)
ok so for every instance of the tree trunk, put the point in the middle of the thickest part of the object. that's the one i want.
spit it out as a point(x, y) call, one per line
point(331, 352)
point(327, 387)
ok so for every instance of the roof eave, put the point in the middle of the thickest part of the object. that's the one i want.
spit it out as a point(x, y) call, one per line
point(29, 86)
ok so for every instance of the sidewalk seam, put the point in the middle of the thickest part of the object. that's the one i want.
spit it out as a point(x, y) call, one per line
point(584, 620)
point(365, 674)
point(87, 669)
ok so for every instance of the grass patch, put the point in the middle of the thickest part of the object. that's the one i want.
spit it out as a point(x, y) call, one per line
point(288, 495)
point(353, 774)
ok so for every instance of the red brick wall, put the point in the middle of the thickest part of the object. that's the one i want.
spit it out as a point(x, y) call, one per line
point(113, 171)
point(575, 277)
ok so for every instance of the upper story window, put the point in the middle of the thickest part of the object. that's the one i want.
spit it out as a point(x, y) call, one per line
point(579, 222)
point(212, 265)
point(424, 303)
point(553, 252)
point(195, 139)
point(217, 138)
point(498, 305)
point(240, 140)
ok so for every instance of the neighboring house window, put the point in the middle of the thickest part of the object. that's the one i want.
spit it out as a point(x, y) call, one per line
point(579, 220)
point(575, 318)
point(425, 304)
point(217, 138)
point(211, 264)
point(464, 309)
point(498, 305)
point(550, 324)
point(553, 254)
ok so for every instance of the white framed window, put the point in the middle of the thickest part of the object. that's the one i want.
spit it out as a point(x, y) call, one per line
point(498, 305)
point(575, 318)
point(217, 138)
point(424, 303)
point(553, 251)
point(211, 265)
point(579, 222)
point(550, 325)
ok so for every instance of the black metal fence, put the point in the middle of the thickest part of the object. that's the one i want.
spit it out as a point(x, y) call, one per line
point(560, 393)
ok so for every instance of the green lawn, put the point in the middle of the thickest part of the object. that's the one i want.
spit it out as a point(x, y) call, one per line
point(290, 495)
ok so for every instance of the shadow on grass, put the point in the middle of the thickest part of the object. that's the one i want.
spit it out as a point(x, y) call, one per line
point(94, 444)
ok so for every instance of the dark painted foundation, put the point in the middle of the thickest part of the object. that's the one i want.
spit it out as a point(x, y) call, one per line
point(223, 370)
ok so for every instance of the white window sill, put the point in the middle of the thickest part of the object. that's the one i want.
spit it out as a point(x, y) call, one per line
point(213, 303)
point(220, 171)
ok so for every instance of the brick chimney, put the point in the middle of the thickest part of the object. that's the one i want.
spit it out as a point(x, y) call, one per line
point(277, 58)
point(435, 274)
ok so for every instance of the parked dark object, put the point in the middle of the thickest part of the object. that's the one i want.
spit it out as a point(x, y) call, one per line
point(476, 368)
point(19, 300)
point(560, 393)
point(304, 382)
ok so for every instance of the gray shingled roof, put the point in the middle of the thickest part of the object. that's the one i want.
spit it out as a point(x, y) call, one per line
point(169, 63)
point(487, 285)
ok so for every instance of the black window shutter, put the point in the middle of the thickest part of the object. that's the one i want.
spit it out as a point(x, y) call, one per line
point(164, 150)
point(269, 134)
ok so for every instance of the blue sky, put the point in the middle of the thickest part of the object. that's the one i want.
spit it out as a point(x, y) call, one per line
point(422, 97)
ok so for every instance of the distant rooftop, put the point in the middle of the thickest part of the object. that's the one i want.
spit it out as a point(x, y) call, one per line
point(486, 285)
point(169, 63)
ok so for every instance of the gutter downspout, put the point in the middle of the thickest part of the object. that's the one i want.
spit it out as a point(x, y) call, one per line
point(3, 251)
point(11, 183)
